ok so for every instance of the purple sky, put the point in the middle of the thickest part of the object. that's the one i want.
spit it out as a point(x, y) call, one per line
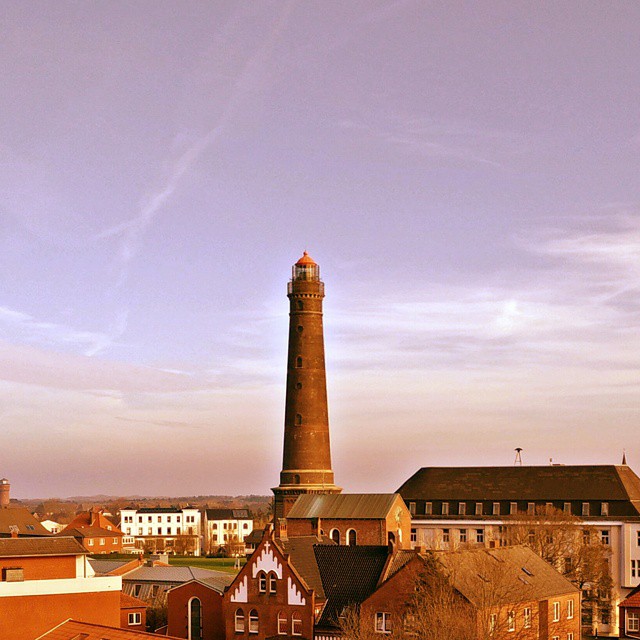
point(465, 173)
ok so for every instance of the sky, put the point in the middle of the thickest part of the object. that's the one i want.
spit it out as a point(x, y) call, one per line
point(465, 173)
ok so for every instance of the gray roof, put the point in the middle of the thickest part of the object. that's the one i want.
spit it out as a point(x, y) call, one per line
point(343, 505)
point(227, 514)
point(553, 482)
point(107, 566)
point(172, 574)
point(50, 546)
point(515, 574)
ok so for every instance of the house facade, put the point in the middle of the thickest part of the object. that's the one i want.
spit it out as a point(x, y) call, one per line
point(454, 506)
point(174, 530)
point(226, 529)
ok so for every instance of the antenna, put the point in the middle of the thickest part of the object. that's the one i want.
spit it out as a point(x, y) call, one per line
point(518, 460)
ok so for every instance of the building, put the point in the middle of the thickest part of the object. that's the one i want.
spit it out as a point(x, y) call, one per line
point(226, 529)
point(17, 520)
point(175, 530)
point(473, 505)
point(630, 615)
point(76, 630)
point(133, 613)
point(48, 580)
point(96, 540)
point(52, 526)
point(306, 464)
point(195, 608)
point(367, 519)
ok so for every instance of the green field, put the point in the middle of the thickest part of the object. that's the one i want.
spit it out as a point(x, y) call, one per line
point(219, 564)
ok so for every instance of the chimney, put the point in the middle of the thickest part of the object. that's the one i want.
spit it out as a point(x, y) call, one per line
point(14, 530)
point(5, 488)
point(282, 529)
point(94, 512)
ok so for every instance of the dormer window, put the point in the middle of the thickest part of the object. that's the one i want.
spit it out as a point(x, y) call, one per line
point(585, 508)
point(604, 509)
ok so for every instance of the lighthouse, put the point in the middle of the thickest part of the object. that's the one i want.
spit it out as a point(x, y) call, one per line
point(306, 460)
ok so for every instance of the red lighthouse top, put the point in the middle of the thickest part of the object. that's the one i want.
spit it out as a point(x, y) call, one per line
point(306, 259)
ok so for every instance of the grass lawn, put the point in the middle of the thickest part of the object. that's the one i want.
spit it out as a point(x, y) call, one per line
point(219, 564)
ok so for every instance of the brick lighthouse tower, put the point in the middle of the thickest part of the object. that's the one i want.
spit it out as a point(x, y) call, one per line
point(306, 462)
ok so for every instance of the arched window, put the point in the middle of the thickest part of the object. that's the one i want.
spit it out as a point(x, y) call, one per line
point(239, 621)
point(273, 583)
point(282, 623)
point(298, 419)
point(298, 385)
point(262, 582)
point(352, 538)
point(298, 362)
point(334, 534)
point(195, 619)
point(296, 625)
point(391, 537)
point(300, 305)
point(254, 624)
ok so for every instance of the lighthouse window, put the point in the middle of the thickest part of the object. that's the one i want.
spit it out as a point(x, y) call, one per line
point(298, 362)
point(300, 305)
point(300, 328)
point(298, 385)
point(298, 419)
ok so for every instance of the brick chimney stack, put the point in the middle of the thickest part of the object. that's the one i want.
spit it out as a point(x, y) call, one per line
point(306, 464)
point(5, 489)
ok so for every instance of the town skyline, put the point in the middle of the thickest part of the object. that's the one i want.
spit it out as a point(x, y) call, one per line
point(467, 182)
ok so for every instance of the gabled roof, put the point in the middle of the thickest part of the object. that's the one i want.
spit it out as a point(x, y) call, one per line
point(173, 574)
point(227, 514)
point(302, 556)
point(343, 505)
point(90, 532)
point(72, 630)
point(113, 567)
point(633, 599)
point(515, 574)
point(130, 602)
point(553, 482)
point(21, 518)
point(49, 546)
point(254, 537)
point(349, 575)
point(215, 583)
point(94, 517)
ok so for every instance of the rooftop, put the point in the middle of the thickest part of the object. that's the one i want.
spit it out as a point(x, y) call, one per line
point(343, 505)
point(73, 630)
point(49, 546)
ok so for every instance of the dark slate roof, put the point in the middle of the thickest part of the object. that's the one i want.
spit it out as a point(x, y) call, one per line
point(50, 546)
point(553, 482)
point(174, 574)
point(254, 537)
point(302, 557)
point(228, 514)
point(343, 505)
point(516, 572)
point(159, 510)
point(349, 575)
point(21, 518)
point(104, 567)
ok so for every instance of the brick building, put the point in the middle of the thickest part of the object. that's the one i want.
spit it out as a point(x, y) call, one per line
point(356, 518)
point(630, 615)
point(133, 613)
point(471, 505)
point(76, 630)
point(48, 580)
point(96, 533)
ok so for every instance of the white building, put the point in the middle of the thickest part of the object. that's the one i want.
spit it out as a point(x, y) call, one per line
point(163, 529)
point(52, 526)
point(452, 506)
point(226, 528)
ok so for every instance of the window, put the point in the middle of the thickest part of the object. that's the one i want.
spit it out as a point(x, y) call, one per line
point(445, 509)
point(570, 609)
point(633, 620)
point(556, 612)
point(605, 617)
point(496, 509)
point(149, 531)
point(296, 625)
point(137, 588)
point(282, 623)
point(569, 636)
point(159, 518)
point(115, 541)
point(445, 535)
point(168, 518)
point(254, 623)
point(239, 621)
point(585, 508)
point(298, 362)
point(511, 621)
point(300, 305)
point(135, 618)
point(604, 508)
point(298, 419)
point(480, 536)
point(531, 508)
point(635, 565)
point(414, 535)
point(154, 590)
point(527, 618)
point(383, 622)
point(168, 531)
point(352, 537)
point(586, 536)
point(195, 619)
point(300, 328)
point(159, 531)
point(90, 542)
point(140, 531)
point(463, 535)
point(568, 564)
point(245, 526)
point(478, 508)
point(604, 537)
point(149, 518)
point(493, 622)
point(513, 508)
point(262, 582)
point(139, 518)
point(462, 508)
point(273, 583)
point(428, 510)
point(412, 508)
point(567, 508)
point(638, 538)
point(334, 534)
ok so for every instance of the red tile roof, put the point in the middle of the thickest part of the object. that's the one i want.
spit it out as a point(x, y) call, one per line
point(632, 600)
point(50, 546)
point(129, 602)
point(72, 629)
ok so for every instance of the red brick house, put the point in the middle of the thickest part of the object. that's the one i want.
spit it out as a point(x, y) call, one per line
point(133, 613)
point(630, 615)
point(269, 598)
point(95, 532)
point(351, 518)
point(195, 609)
